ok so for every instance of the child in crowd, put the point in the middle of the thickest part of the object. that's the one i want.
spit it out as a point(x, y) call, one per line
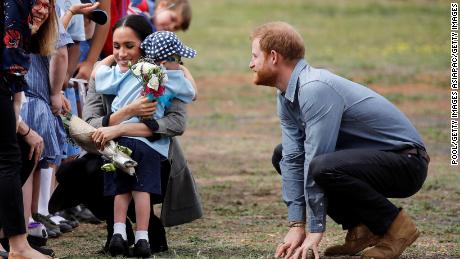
point(165, 49)
point(168, 15)
point(42, 108)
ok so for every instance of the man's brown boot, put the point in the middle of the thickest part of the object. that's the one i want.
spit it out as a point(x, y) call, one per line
point(357, 239)
point(401, 234)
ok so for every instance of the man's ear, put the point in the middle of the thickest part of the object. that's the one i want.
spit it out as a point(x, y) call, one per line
point(274, 57)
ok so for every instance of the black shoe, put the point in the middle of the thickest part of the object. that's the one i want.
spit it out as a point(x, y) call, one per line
point(142, 249)
point(37, 241)
point(64, 227)
point(118, 246)
point(71, 223)
point(84, 215)
point(52, 234)
point(69, 219)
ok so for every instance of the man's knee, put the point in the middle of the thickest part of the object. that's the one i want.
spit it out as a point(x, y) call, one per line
point(320, 169)
point(276, 157)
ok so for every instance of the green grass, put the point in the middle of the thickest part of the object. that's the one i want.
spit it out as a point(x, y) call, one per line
point(373, 41)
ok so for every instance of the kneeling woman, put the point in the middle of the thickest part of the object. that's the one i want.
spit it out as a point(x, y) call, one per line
point(119, 80)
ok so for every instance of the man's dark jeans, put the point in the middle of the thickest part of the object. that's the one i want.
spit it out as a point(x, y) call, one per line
point(357, 183)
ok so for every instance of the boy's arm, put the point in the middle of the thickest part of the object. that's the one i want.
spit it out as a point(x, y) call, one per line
point(108, 61)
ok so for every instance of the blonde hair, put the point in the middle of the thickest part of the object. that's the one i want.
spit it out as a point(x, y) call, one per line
point(280, 37)
point(47, 34)
point(183, 8)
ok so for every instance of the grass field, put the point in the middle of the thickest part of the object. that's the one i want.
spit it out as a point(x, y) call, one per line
point(398, 48)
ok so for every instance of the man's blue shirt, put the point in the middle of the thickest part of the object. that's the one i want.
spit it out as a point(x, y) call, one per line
point(321, 113)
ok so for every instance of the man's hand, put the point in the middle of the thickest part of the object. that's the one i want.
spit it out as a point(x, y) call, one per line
point(104, 134)
point(35, 142)
point(311, 242)
point(56, 103)
point(292, 240)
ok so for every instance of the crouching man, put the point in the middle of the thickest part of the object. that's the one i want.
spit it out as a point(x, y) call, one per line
point(342, 141)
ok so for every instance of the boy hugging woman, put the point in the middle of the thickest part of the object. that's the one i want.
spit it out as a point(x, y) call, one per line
point(165, 49)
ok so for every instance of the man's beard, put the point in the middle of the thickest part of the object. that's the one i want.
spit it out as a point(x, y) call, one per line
point(265, 76)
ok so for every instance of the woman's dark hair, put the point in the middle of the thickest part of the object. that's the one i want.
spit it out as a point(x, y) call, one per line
point(139, 24)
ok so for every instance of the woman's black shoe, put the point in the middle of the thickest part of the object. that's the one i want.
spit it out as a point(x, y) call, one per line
point(118, 246)
point(142, 249)
point(37, 241)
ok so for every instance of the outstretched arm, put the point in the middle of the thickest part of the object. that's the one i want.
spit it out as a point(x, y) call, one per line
point(97, 42)
point(77, 9)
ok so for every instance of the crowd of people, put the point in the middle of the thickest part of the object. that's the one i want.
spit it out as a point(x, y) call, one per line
point(345, 149)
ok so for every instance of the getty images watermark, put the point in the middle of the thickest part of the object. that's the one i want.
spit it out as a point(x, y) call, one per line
point(454, 84)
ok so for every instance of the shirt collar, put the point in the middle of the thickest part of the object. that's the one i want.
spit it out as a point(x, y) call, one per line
point(292, 84)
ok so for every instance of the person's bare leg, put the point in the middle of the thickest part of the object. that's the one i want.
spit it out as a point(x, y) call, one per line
point(35, 190)
point(142, 206)
point(120, 208)
point(53, 179)
point(27, 191)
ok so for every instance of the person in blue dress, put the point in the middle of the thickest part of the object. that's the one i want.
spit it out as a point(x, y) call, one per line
point(44, 102)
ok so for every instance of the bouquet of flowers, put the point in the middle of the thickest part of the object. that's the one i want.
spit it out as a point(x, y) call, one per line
point(152, 78)
point(80, 133)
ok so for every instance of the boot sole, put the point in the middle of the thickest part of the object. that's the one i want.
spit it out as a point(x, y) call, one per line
point(355, 251)
point(406, 245)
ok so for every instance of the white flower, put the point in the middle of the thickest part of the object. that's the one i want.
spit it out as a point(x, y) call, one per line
point(165, 79)
point(136, 68)
point(147, 67)
point(153, 82)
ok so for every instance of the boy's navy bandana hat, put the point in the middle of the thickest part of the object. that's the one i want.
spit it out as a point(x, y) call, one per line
point(162, 44)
